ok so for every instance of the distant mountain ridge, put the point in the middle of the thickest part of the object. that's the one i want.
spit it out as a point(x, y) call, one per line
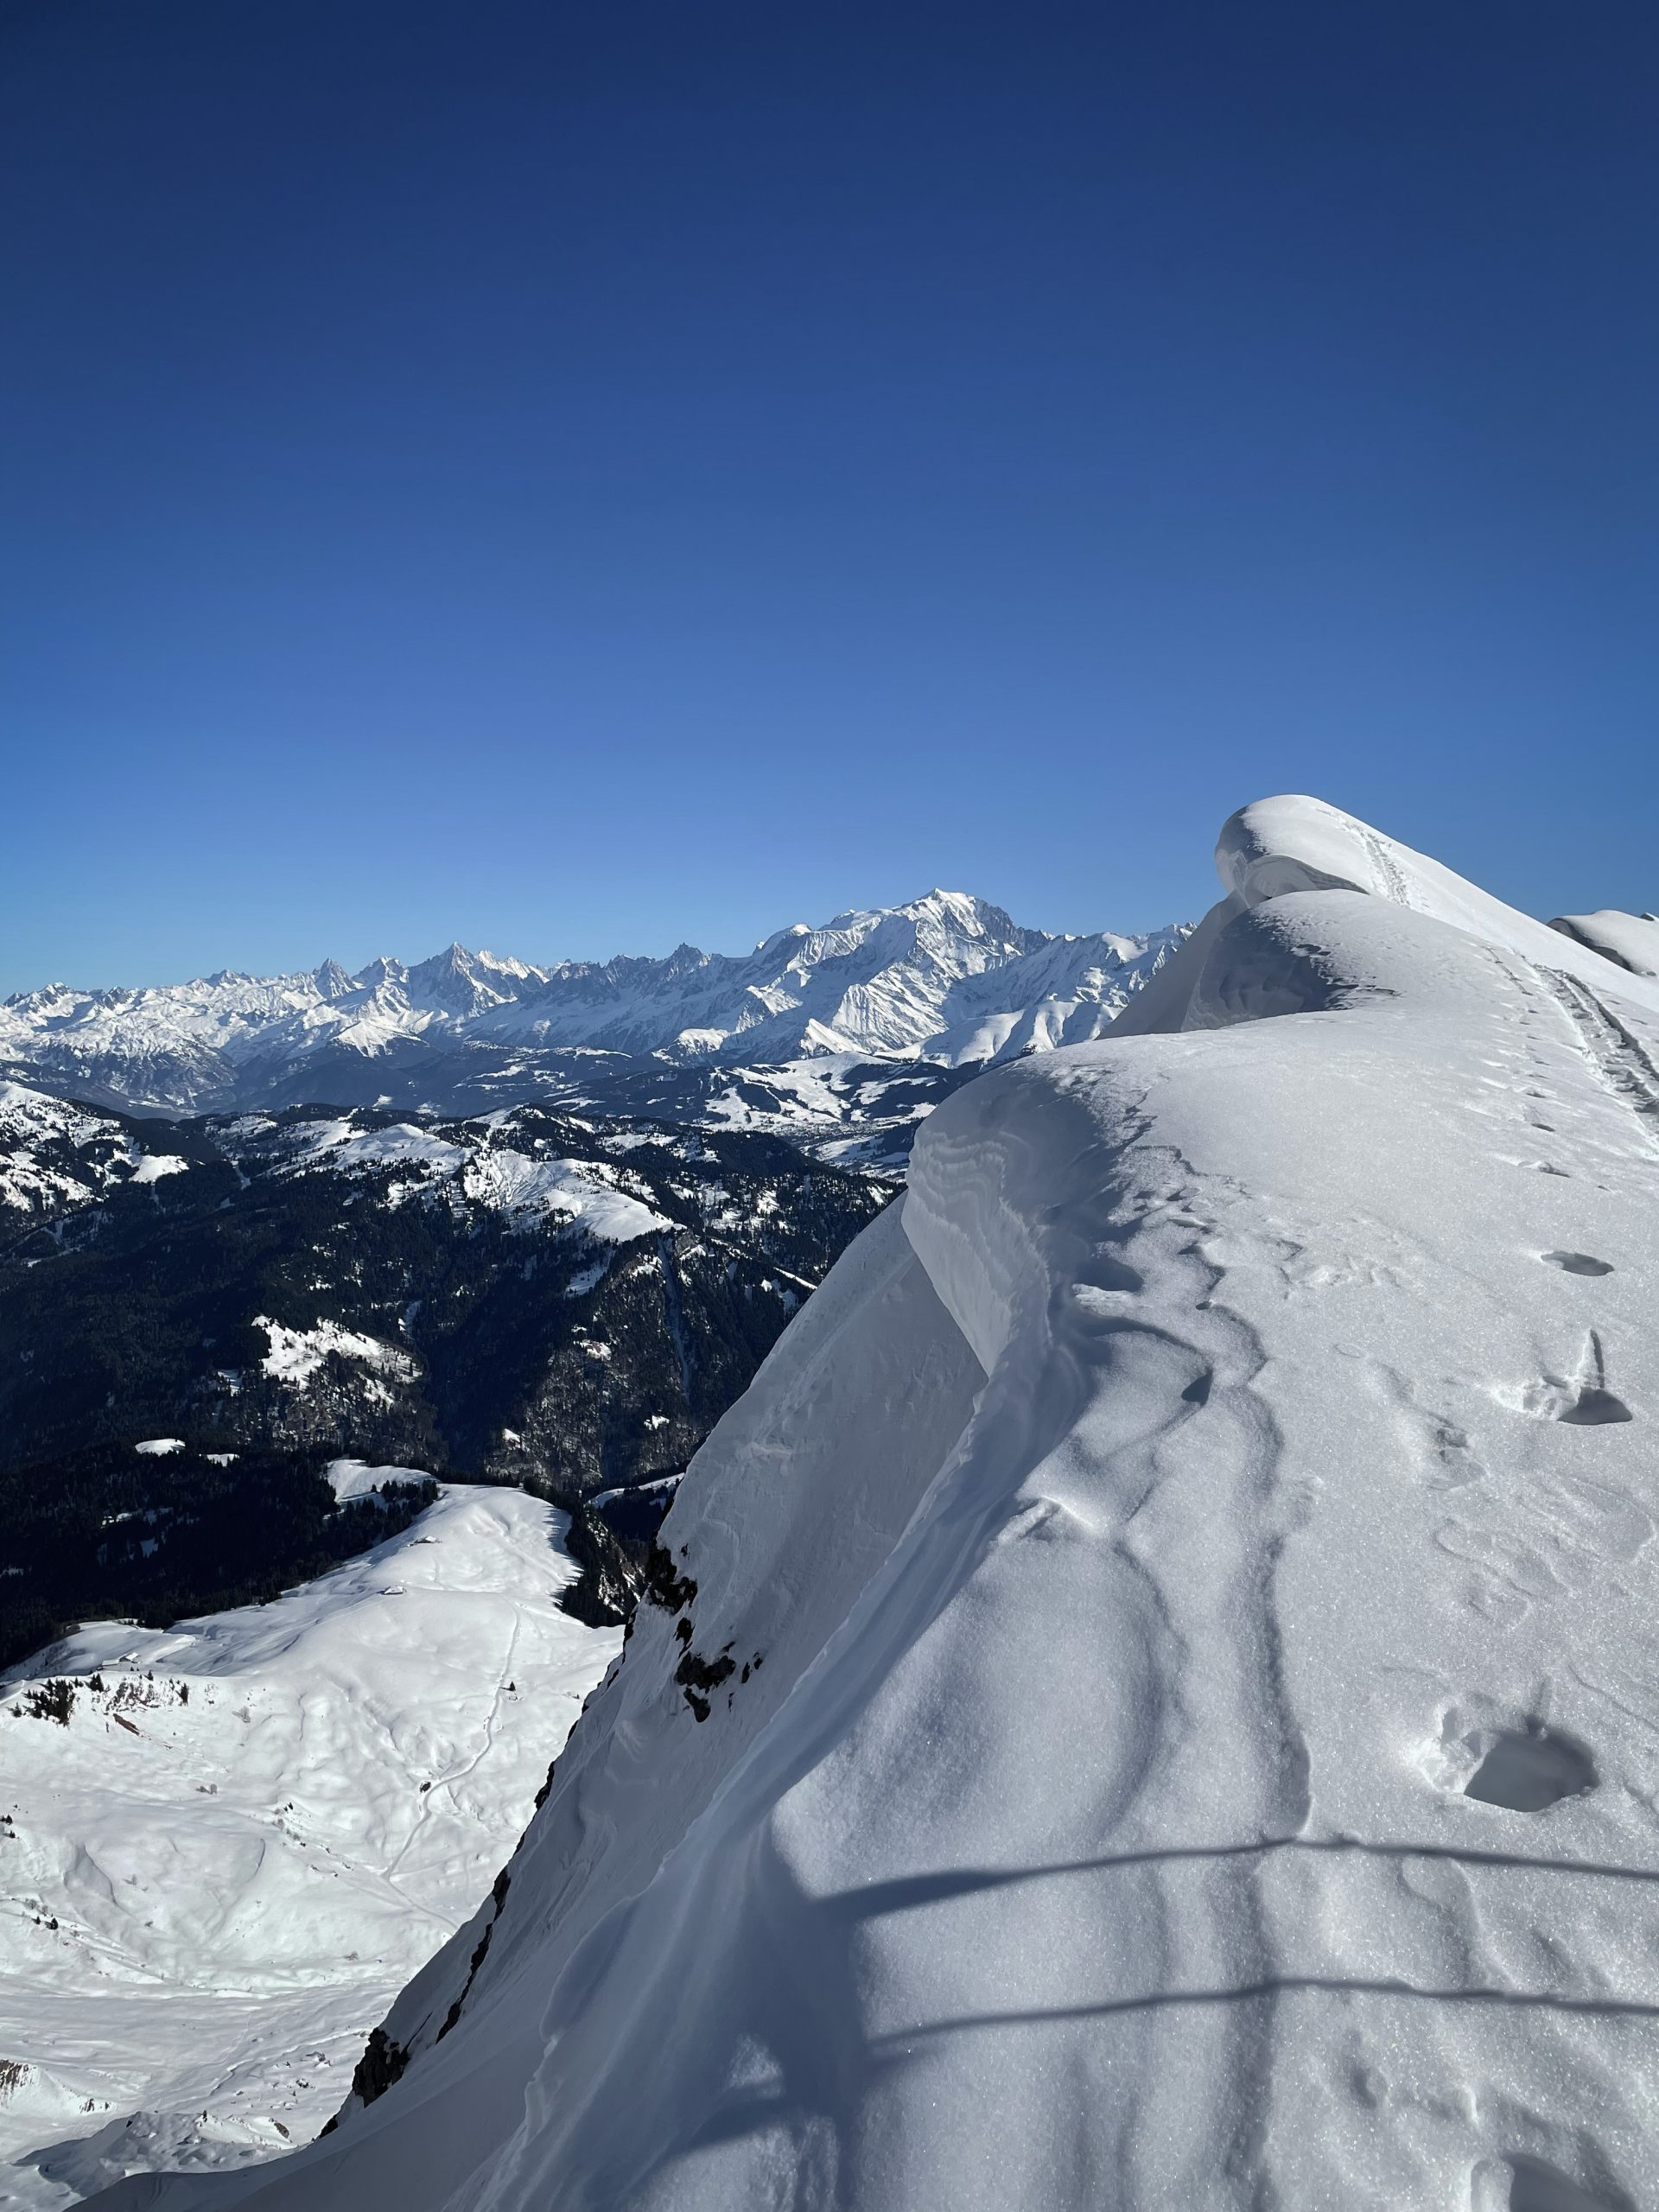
point(947, 977)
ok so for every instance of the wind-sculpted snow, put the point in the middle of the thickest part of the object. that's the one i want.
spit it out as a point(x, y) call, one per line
point(1629, 940)
point(1150, 1701)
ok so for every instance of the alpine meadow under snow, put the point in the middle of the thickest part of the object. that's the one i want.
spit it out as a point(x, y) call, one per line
point(1151, 1698)
point(226, 1846)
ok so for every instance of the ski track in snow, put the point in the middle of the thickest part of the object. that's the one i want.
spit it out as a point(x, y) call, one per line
point(1616, 1056)
point(1393, 876)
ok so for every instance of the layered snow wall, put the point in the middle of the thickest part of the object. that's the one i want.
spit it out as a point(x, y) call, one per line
point(1152, 1700)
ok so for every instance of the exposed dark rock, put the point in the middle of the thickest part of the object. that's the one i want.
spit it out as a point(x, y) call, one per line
point(696, 1676)
point(382, 2063)
point(663, 1586)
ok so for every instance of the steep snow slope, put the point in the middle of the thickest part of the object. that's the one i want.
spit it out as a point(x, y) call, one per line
point(947, 975)
point(1151, 1700)
point(245, 1834)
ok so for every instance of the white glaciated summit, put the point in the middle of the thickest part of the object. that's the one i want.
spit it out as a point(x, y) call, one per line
point(947, 977)
point(1151, 1698)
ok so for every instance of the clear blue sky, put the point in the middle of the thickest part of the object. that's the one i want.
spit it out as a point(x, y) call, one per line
point(573, 477)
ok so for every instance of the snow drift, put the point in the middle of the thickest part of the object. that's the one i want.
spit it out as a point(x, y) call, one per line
point(1151, 1699)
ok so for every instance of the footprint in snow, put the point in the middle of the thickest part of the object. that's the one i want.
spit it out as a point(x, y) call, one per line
point(1521, 1764)
point(1581, 1399)
point(1576, 1263)
point(1522, 2185)
point(1527, 1769)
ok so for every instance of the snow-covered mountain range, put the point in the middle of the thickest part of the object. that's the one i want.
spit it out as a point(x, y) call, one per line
point(1150, 1698)
point(947, 977)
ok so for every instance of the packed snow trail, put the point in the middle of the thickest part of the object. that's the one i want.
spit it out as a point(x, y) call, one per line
point(249, 1831)
point(1151, 1697)
point(1615, 1056)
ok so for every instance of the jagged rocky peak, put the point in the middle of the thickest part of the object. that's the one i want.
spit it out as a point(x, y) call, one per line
point(331, 980)
point(380, 973)
point(684, 960)
point(461, 982)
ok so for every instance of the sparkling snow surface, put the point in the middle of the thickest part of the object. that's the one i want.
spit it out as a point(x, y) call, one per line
point(220, 1871)
point(1188, 1577)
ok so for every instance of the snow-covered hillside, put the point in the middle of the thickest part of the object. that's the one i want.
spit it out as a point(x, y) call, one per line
point(1150, 1699)
point(225, 1846)
point(947, 977)
point(55, 1155)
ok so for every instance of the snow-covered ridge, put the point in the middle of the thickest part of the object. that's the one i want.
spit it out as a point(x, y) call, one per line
point(55, 1155)
point(1149, 1699)
point(1629, 940)
point(947, 977)
point(295, 1355)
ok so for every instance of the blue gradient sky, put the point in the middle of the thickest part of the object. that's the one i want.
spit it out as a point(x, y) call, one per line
point(572, 478)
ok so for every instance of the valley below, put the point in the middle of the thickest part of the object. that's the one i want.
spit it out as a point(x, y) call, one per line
point(226, 1846)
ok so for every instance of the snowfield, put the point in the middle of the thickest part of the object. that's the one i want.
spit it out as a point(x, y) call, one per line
point(1151, 1697)
point(252, 1830)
